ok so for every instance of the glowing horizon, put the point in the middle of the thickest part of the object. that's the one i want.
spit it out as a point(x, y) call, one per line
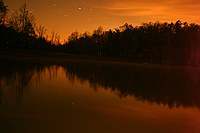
point(66, 17)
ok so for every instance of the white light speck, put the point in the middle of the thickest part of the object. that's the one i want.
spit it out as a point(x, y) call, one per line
point(79, 8)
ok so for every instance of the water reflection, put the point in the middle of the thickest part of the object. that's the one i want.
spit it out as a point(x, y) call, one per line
point(16, 77)
point(168, 86)
point(173, 87)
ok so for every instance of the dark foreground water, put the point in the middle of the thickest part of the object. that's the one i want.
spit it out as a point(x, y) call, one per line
point(98, 98)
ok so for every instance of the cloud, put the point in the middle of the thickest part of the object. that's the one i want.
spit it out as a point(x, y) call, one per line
point(141, 11)
point(162, 9)
point(135, 8)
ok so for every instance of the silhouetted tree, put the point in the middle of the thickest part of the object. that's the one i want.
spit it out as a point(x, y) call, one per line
point(55, 38)
point(41, 31)
point(20, 32)
point(23, 21)
point(166, 43)
point(3, 11)
point(74, 36)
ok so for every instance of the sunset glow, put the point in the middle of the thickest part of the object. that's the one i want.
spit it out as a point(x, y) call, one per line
point(65, 17)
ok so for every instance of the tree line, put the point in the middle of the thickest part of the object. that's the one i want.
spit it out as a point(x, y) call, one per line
point(19, 31)
point(163, 43)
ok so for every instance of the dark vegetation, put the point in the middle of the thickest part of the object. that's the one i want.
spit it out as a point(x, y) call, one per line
point(19, 31)
point(161, 43)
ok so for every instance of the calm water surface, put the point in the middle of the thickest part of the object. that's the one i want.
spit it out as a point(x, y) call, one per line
point(98, 98)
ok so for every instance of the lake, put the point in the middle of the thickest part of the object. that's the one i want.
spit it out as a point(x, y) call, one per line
point(83, 97)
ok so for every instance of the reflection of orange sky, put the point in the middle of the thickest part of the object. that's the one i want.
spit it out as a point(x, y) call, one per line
point(159, 118)
point(56, 103)
point(105, 107)
point(65, 17)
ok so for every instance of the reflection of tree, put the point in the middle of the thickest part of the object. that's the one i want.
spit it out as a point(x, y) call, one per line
point(1, 94)
point(17, 77)
point(168, 86)
point(172, 87)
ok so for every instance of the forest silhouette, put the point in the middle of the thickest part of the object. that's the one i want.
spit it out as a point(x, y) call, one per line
point(161, 43)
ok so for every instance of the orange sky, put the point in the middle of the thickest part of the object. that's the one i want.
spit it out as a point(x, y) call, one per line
point(66, 16)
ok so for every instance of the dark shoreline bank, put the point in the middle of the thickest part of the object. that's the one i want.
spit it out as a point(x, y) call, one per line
point(57, 58)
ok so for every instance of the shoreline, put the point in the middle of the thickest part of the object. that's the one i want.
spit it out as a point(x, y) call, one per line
point(57, 58)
